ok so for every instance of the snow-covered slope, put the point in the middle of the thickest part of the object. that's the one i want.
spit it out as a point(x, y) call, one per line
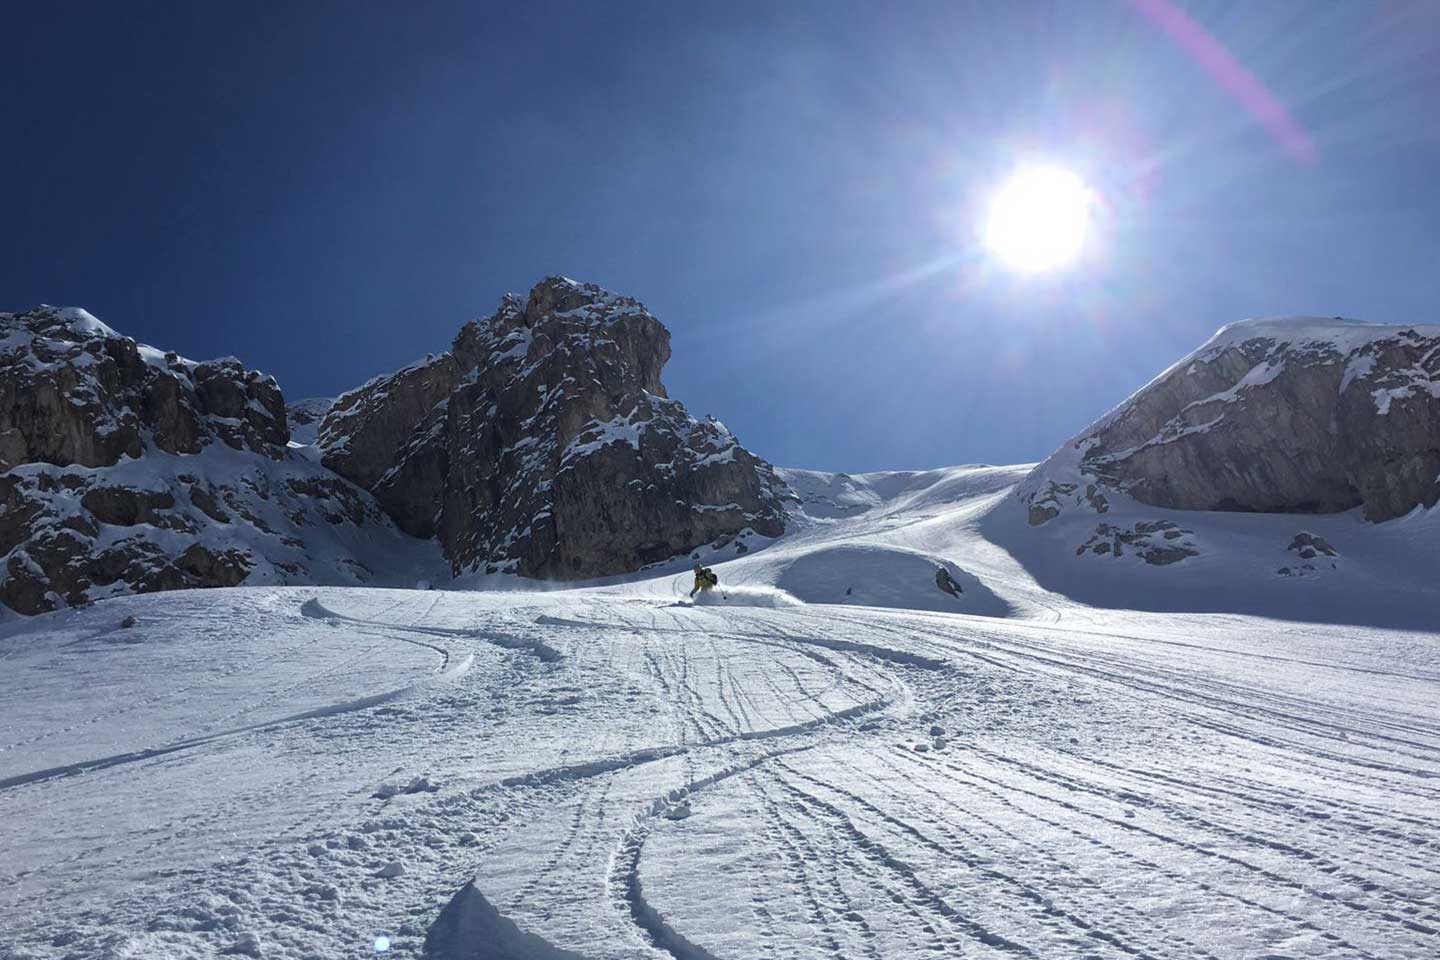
point(612, 773)
point(1227, 467)
point(915, 724)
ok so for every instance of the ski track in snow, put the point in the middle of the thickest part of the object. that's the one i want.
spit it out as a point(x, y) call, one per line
point(620, 776)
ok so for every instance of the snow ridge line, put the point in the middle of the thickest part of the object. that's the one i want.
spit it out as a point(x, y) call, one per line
point(541, 651)
point(470, 924)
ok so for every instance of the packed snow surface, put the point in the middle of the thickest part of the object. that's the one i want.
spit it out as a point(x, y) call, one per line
point(786, 770)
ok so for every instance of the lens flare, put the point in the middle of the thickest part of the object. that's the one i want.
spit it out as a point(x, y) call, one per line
point(1038, 219)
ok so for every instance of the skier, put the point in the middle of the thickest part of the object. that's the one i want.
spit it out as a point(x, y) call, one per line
point(705, 579)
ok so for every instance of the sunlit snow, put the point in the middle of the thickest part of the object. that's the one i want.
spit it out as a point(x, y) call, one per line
point(826, 757)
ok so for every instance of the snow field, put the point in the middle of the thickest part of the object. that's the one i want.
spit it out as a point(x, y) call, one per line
point(616, 772)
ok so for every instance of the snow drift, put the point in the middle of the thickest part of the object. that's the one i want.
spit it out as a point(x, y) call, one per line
point(745, 596)
point(886, 576)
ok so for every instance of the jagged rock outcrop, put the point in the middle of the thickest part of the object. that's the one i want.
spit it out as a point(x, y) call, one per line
point(74, 391)
point(1300, 415)
point(1157, 542)
point(1313, 555)
point(543, 443)
point(124, 469)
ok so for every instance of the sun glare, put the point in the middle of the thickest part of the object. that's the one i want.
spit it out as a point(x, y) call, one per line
point(1038, 219)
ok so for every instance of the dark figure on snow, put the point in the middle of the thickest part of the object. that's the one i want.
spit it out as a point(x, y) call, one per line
point(705, 579)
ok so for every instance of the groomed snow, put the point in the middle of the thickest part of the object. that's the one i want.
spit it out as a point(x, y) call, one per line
point(614, 771)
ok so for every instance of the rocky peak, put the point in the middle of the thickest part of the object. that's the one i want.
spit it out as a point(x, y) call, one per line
point(1296, 415)
point(125, 468)
point(544, 443)
point(72, 390)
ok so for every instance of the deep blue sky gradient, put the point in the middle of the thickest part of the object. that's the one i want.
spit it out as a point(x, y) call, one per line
point(329, 190)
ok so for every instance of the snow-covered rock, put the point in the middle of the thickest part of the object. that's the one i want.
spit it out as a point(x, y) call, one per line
point(1294, 415)
point(124, 468)
point(72, 390)
point(543, 443)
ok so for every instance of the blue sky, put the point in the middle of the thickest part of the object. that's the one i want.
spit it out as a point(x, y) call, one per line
point(796, 190)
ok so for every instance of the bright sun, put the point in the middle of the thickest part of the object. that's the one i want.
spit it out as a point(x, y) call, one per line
point(1038, 220)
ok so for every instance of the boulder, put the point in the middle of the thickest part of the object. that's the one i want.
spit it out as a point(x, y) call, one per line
point(1309, 546)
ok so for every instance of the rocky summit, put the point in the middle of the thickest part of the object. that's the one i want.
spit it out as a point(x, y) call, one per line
point(1295, 415)
point(544, 444)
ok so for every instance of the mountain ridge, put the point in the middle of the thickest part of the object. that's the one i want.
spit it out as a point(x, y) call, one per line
point(543, 443)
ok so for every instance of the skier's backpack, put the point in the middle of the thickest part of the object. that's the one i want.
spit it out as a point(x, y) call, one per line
point(710, 575)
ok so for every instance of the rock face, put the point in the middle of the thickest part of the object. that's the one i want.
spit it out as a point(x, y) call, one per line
point(124, 469)
point(74, 391)
point(1300, 415)
point(543, 443)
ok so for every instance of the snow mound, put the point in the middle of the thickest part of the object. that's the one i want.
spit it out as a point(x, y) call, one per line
point(724, 596)
point(84, 322)
point(872, 575)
